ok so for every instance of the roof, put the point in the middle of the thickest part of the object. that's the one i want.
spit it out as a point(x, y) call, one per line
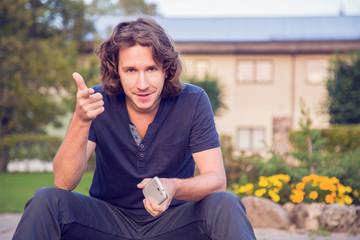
point(260, 29)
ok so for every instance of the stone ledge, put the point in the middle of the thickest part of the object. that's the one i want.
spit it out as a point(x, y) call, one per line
point(264, 213)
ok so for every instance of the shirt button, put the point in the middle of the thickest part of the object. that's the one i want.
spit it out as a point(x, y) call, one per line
point(141, 146)
point(141, 155)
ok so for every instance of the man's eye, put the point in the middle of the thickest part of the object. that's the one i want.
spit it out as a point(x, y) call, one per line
point(130, 70)
point(152, 69)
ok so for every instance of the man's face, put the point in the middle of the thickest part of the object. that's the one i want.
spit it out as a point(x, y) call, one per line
point(141, 78)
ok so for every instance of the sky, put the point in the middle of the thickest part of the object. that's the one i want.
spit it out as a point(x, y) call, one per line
point(255, 8)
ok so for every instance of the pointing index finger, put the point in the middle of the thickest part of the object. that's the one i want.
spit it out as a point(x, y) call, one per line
point(79, 81)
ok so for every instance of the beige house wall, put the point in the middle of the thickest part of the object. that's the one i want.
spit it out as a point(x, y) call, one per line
point(255, 105)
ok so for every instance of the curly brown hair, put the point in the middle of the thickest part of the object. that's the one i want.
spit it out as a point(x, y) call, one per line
point(146, 32)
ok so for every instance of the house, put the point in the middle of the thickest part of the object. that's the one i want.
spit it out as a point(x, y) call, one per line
point(266, 66)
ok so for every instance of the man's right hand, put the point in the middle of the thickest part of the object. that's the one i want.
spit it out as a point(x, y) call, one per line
point(88, 103)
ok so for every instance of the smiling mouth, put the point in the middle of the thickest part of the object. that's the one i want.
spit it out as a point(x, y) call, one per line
point(143, 96)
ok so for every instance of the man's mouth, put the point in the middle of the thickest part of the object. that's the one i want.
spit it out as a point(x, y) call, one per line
point(143, 96)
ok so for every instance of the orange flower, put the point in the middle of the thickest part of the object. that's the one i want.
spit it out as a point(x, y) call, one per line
point(329, 199)
point(300, 186)
point(245, 188)
point(356, 193)
point(260, 192)
point(326, 185)
point(348, 200)
point(263, 181)
point(297, 196)
point(334, 180)
point(313, 195)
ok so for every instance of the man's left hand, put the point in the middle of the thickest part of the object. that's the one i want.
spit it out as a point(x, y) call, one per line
point(153, 208)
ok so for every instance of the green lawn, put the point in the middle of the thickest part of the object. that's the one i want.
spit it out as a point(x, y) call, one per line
point(17, 188)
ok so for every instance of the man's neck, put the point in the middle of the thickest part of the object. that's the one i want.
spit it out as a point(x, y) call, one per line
point(140, 119)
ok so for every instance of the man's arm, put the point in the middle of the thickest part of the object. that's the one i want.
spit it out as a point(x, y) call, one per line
point(71, 159)
point(211, 179)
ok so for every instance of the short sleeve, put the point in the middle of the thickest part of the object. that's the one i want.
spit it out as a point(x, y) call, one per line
point(203, 133)
point(92, 135)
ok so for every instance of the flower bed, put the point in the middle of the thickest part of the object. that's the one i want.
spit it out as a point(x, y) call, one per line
point(313, 188)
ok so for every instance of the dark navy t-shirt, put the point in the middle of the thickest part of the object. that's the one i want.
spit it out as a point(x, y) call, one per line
point(182, 126)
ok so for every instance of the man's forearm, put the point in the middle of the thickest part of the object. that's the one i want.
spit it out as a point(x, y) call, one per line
point(211, 178)
point(198, 187)
point(71, 160)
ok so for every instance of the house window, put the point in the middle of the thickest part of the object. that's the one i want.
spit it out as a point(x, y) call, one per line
point(251, 139)
point(202, 67)
point(259, 71)
point(245, 71)
point(316, 70)
point(263, 70)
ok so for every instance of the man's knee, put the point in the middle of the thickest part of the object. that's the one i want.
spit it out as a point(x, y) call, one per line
point(225, 216)
point(222, 203)
point(224, 199)
point(47, 196)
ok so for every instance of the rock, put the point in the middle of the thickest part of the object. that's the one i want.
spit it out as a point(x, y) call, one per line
point(264, 213)
point(313, 211)
point(288, 207)
point(306, 216)
point(356, 225)
point(299, 214)
point(292, 228)
point(340, 218)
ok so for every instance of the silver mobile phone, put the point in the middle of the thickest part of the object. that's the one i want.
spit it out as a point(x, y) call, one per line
point(155, 191)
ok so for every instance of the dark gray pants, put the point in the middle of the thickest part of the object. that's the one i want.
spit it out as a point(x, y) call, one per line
point(57, 214)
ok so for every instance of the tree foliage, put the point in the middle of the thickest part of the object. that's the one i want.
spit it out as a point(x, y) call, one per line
point(122, 7)
point(343, 88)
point(29, 146)
point(309, 144)
point(39, 44)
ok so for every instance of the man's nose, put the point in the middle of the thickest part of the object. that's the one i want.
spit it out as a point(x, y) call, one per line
point(142, 82)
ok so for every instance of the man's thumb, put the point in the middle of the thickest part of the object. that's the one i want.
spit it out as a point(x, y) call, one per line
point(143, 183)
point(79, 81)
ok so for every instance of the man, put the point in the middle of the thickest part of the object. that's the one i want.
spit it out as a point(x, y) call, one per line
point(141, 122)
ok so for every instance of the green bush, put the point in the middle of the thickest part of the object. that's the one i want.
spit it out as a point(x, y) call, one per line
point(342, 138)
point(335, 152)
point(347, 170)
point(343, 86)
point(243, 169)
point(276, 165)
point(335, 139)
point(27, 146)
point(332, 152)
point(309, 144)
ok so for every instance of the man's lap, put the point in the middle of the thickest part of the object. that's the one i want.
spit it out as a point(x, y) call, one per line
point(53, 212)
point(85, 217)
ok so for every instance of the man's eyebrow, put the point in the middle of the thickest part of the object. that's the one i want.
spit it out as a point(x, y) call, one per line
point(130, 67)
point(154, 66)
point(126, 67)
